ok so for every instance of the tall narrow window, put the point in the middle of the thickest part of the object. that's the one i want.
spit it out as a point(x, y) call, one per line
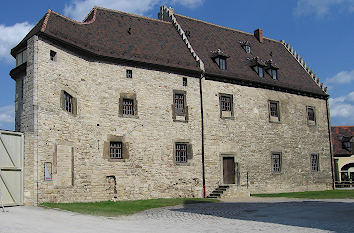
point(221, 62)
point(128, 107)
point(116, 151)
point(184, 82)
point(68, 100)
point(247, 48)
point(314, 163)
point(179, 104)
point(274, 74)
point(129, 74)
point(181, 152)
point(259, 70)
point(274, 115)
point(276, 162)
point(311, 113)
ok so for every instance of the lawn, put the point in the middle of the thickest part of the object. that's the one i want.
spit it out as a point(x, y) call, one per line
point(328, 194)
point(110, 208)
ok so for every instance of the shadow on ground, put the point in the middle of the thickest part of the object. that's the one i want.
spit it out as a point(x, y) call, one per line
point(330, 216)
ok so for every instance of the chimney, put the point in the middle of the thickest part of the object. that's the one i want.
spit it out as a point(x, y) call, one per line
point(258, 33)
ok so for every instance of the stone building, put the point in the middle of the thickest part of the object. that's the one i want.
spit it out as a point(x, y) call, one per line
point(128, 107)
point(343, 153)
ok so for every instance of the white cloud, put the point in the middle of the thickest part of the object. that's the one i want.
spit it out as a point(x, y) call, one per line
point(342, 108)
point(321, 8)
point(10, 36)
point(78, 9)
point(7, 115)
point(342, 77)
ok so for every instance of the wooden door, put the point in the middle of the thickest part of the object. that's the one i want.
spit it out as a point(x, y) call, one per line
point(228, 170)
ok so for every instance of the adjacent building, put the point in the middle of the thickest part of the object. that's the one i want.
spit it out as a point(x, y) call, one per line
point(127, 107)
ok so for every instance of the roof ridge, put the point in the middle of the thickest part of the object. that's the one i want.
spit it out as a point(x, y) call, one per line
point(228, 28)
point(301, 61)
point(131, 14)
point(72, 20)
point(44, 25)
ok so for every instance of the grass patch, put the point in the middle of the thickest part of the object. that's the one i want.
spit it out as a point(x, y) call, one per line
point(328, 194)
point(110, 208)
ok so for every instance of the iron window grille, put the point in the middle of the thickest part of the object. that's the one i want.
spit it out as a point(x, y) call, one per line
point(276, 163)
point(274, 109)
point(179, 103)
point(314, 162)
point(68, 102)
point(225, 103)
point(128, 107)
point(181, 152)
point(310, 114)
point(129, 74)
point(116, 150)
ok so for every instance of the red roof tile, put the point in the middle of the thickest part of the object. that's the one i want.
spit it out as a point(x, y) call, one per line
point(347, 131)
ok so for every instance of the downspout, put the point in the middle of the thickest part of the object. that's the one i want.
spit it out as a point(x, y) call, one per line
point(330, 143)
point(202, 122)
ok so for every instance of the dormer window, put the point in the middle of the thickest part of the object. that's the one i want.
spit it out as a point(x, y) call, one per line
point(272, 69)
point(246, 46)
point(219, 58)
point(258, 66)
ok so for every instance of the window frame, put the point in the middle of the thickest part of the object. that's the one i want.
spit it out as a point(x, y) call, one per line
point(68, 102)
point(257, 69)
point(184, 81)
point(274, 119)
point(179, 100)
point(179, 115)
point(310, 121)
point(128, 107)
point(122, 109)
point(315, 167)
point(223, 112)
point(129, 73)
point(221, 62)
point(118, 150)
point(63, 104)
point(178, 156)
point(278, 169)
point(52, 55)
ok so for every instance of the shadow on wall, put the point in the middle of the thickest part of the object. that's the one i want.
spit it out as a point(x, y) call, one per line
point(330, 216)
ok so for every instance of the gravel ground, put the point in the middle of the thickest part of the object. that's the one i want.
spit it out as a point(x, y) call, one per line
point(246, 215)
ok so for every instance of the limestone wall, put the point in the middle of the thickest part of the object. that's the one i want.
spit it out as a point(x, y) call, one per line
point(250, 138)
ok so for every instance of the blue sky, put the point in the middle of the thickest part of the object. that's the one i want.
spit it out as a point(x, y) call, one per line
point(321, 31)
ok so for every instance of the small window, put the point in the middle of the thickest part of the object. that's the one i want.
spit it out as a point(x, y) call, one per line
point(314, 163)
point(128, 107)
point(247, 48)
point(347, 145)
point(181, 152)
point(274, 74)
point(116, 150)
point(221, 62)
point(179, 104)
point(225, 103)
point(274, 109)
point(276, 162)
point(53, 55)
point(311, 114)
point(184, 82)
point(68, 102)
point(129, 74)
point(259, 70)
point(47, 171)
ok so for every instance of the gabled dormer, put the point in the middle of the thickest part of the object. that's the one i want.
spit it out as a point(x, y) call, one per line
point(272, 69)
point(258, 66)
point(219, 57)
point(246, 45)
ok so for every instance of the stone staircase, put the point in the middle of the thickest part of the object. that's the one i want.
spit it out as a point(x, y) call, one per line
point(218, 191)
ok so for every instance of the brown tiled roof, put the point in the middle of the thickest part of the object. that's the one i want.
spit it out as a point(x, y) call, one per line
point(347, 131)
point(206, 37)
point(119, 35)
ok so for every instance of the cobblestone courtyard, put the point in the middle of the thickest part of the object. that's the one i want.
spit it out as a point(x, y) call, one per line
point(253, 215)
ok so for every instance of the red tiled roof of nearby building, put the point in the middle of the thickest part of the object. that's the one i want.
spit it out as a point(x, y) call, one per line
point(346, 131)
point(206, 37)
point(115, 34)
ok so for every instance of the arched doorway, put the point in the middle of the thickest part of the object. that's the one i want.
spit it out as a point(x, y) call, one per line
point(347, 173)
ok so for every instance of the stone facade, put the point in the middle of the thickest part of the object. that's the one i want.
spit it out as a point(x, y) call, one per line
point(75, 145)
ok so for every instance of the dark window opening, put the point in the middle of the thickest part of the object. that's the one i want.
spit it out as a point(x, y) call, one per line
point(53, 55)
point(225, 103)
point(116, 151)
point(247, 48)
point(128, 107)
point(274, 74)
point(179, 103)
point(276, 162)
point(274, 110)
point(314, 163)
point(129, 74)
point(311, 114)
point(181, 152)
point(221, 62)
point(185, 82)
point(68, 102)
point(259, 70)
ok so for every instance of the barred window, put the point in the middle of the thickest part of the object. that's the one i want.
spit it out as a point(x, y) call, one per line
point(68, 101)
point(310, 114)
point(181, 152)
point(129, 74)
point(274, 109)
point(276, 162)
point(314, 163)
point(128, 107)
point(226, 103)
point(116, 151)
point(179, 103)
